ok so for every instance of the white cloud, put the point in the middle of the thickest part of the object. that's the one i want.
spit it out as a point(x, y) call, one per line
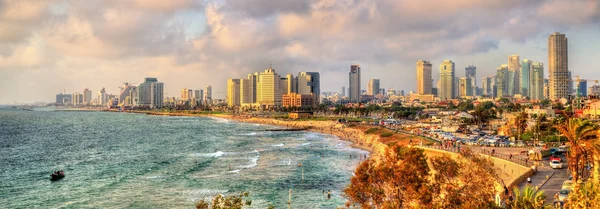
point(103, 43)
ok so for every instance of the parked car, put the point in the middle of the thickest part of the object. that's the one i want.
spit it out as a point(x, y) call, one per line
point(562, 149)
point(568, 184)
point(563, 194)
point(556, 164)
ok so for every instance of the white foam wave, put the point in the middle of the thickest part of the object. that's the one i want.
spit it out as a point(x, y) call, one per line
point(248, 134)
point(220, 120)
point(153, 177)
point(304, 144)
point(233, 171)
point(215, 154)
point(278, 145)
point(253, 160)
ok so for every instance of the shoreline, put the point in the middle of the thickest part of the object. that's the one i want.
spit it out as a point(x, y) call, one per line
point(356, 137)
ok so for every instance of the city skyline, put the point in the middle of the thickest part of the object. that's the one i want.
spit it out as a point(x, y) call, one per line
point(58, 46)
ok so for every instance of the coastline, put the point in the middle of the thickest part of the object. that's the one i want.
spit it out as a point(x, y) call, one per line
point(356, 137)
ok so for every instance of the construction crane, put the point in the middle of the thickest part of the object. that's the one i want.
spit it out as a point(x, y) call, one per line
point(579, 79)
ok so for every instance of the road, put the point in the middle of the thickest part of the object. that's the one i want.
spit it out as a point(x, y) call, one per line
point(556, 176)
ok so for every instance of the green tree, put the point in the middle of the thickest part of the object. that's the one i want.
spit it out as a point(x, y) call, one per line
point(520, 123)
point(585, 196)
point(484, 112)
point(527, 198)
point(577, 131)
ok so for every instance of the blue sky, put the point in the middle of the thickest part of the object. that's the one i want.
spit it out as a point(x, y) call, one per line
point(50, 46)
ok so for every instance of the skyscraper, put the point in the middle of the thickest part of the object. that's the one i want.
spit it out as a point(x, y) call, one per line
point(233, 92)
point(466, 88)
point(354, 81)
point(486, 85)
point(447, 85)
point(343, 91)
point(373, 87)
point(288, 84)
point(268, 90)
point(536, 81)
point(524, 75)
point(581, 88)
point(87, 96)
point(197, 95)
point(102, 97)
point(309, 83)
point(424, 80)
point(513, 75)
point(502, 81)
point(184, 94)
point(150, 93)
point(559, 77)
point(471, 72)
point(208, 95)
point(157, 92)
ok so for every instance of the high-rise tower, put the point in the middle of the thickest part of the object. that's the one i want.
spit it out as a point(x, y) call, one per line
point(559, 76)
point(424, 81)
point(354, 81)
point(447, 82)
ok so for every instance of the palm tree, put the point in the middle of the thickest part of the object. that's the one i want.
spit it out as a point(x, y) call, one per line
point(527, 198)
point(577, 131)
point(594, 147)
point(520, 123)
point(587, 196)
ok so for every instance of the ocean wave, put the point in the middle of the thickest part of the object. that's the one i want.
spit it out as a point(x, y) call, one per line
point(248, 134)
point(214, 154)
point(220, 120)
point(233, 171)
point(304, 144)
point(253, 161)
point(278, 145)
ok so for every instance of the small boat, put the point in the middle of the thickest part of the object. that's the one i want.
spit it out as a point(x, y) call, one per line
point(57, 175)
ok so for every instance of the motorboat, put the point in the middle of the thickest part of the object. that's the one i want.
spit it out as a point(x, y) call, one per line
point(57, 175)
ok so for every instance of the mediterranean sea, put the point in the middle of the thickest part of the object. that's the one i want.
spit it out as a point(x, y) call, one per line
point(123, 160)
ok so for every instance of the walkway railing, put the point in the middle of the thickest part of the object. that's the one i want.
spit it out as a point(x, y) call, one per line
point(457, 149)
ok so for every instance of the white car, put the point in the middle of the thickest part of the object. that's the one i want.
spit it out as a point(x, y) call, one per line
point(563, 195)
point(555, 164)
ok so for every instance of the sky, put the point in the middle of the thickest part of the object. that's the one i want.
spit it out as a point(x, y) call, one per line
point(51, 46)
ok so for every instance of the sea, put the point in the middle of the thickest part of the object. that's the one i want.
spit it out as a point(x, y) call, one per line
point(128, 160)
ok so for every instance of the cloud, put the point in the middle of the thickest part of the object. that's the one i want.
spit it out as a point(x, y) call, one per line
point(103, 43)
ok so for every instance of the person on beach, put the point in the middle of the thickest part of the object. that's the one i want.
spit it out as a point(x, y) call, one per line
point(328, 194)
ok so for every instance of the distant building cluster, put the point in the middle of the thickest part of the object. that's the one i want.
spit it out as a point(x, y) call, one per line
point(268, 90)
point(148, 94)
point(516, 79)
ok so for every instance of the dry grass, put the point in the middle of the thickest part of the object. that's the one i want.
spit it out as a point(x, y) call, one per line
point(390, 137)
